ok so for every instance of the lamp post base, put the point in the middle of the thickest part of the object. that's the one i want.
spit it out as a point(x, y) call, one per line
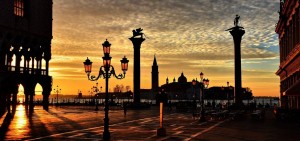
point(96, 109)
point(106, 136)
point(202, 119)
point(161, 132)
point(202, 116)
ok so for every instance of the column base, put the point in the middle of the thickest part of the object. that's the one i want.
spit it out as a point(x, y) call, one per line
point(106, 136)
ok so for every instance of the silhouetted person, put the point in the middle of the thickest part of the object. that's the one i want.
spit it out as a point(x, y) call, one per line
point(170, 106)
point(213, 104)
point(260, 105)
point(125, 108)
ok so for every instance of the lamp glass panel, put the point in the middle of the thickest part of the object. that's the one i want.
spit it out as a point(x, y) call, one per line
point(88, 68)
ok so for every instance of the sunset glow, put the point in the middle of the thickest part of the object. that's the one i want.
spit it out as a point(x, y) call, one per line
point(186, 36)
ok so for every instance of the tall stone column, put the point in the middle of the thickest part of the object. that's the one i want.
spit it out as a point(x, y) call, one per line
point(46, 100)
point(3, 93)
point(237, 32)
point(14, 102)
point(29, 94)
point(137, 68)
point(31, 104)
point(46, 83)
point(8, 103)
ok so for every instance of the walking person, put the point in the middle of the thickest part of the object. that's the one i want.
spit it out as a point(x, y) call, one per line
point(125, 108)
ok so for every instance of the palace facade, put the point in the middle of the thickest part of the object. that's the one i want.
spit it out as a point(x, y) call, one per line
point(25, 50)
point(288, 30)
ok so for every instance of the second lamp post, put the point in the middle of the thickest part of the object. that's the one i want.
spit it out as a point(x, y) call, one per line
point(57, 91)
point(106, 71)
point(205, 83)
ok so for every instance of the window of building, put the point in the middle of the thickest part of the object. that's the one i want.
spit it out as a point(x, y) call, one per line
point(19, 8)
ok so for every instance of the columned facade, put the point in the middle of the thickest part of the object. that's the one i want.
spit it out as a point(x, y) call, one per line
point(25, 50)
point(288, 30)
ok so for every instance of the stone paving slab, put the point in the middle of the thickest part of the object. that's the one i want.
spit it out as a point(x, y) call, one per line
point(72, 124)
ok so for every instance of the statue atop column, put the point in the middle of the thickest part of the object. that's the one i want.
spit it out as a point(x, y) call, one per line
point(236, 23)
point(236, 20)
point(137, 32)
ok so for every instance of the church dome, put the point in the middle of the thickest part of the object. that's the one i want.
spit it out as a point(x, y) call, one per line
point(182, 78)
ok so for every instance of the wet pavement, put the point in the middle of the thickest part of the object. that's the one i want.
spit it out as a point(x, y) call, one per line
point(77, 123)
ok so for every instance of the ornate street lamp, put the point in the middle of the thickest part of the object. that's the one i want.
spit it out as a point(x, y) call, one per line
point(227, 95)
point(194, 97)
point(57, 91)
point(205, 83)
point(106, 71)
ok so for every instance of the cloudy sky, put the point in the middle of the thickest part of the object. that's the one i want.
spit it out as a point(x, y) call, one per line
point(186, 35)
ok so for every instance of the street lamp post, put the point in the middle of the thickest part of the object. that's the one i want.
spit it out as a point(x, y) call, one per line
point(106, 71)
point(194, 97)
point(96, 96)
point(205, 83)
point(227, 95)
point(91, 98)
point(57, 91)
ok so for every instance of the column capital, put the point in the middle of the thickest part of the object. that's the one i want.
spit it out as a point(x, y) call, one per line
point(137, 41)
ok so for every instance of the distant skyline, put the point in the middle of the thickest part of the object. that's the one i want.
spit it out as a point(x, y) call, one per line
point(186, 36)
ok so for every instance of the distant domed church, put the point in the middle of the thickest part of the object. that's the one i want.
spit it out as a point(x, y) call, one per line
point(182, 89)
point(182, 78)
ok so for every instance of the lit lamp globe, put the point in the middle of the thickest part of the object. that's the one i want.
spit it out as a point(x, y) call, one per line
point(194, 82)
point(88, 66)
point(201, 76)
point(124, 64)
point(207, 82)
point(204, 81)
point(106, 61)
point(106, 47)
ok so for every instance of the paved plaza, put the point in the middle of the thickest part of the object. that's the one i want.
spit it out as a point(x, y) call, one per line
point(82, 123)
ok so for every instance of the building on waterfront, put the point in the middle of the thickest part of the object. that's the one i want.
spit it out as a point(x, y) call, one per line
point(288, 30)
point(25, 49)
point(181, 90)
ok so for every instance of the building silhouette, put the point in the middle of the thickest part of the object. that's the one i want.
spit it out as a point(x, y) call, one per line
point(155, 76)
point(288, 30)
point(180, 90)
point(25, 50)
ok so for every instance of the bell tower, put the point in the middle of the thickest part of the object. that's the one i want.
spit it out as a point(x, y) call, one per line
point(155, 75)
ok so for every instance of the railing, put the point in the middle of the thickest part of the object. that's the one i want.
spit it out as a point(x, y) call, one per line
point(23, 70)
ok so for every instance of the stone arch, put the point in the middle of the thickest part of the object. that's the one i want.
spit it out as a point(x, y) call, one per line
point(46, 83)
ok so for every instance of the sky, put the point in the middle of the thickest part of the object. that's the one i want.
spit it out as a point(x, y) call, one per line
point(185, 35)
